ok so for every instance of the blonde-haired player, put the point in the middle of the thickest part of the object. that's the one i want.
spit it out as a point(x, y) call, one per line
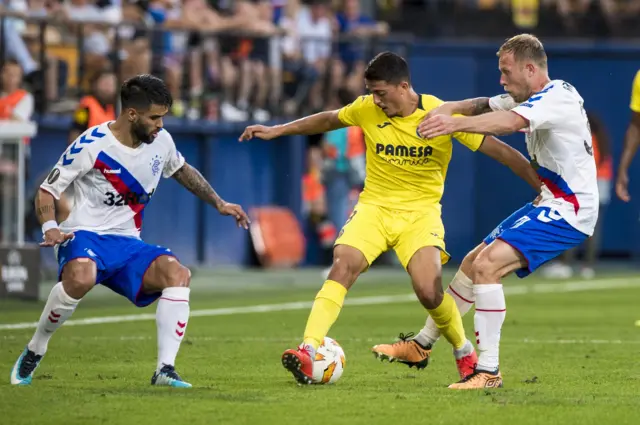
point(399, 207)
point(552, 115)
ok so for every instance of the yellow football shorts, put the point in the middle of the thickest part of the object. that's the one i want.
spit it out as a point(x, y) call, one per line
point(372, 230)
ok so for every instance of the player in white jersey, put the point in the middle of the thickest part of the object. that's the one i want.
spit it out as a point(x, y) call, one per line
point(114, 169)
point(551, 114)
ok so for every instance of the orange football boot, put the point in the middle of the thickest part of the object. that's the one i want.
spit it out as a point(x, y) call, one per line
point(406, 351)
point(300, 364)
point(479, 379)
point(467, 364)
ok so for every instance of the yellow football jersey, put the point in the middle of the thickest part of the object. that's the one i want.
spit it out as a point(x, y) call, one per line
point(635, 94)
point(404, 171)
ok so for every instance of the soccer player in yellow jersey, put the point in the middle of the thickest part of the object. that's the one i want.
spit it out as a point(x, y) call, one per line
point(631, 142)
point(399, 207)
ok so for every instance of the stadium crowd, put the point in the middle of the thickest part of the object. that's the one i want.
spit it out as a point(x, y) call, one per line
point(236, 60)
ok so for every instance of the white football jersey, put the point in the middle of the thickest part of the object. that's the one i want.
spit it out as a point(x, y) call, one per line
point(560, 146)
point(110, 183)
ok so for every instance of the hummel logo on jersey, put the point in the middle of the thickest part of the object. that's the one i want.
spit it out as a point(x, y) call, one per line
point(588, 148)
point(384, 124)
point(116, 171)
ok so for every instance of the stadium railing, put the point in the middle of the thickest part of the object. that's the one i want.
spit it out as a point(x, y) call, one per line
point(70, 49)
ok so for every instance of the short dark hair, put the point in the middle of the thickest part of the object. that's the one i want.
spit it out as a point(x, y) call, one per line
point(388, 67)
point(525, 47)
point(142, 91)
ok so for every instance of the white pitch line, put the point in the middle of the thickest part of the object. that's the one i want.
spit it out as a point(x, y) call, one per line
point(243, 340)
point(541, 288)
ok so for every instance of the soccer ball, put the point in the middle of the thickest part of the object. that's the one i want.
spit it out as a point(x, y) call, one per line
point(329, 362)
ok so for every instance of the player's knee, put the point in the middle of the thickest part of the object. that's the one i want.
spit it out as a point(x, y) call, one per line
point(344, 271)
point(78, 277)
point(430, 296)
point(483, 269)
point(176, 275)
point(467, 262)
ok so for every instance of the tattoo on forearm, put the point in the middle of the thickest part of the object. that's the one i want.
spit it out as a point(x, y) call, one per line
point(45, 209)
point(480, 105)
point(191, 179)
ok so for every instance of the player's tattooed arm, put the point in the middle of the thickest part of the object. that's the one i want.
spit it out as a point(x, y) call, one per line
point(479, 106)
point(45, 206)
point(467, 107)
point(195, 183)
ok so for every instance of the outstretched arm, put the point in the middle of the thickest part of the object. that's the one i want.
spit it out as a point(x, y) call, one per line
point(498, 123)
point(191, 179)
point(513, 159)
point(493, 123)
point(313, 124)
point(631, 143)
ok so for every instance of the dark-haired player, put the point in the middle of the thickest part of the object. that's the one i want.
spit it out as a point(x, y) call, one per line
point(399, 207)
point(114, 169)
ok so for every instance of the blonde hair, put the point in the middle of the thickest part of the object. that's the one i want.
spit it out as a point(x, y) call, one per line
point(525, 47)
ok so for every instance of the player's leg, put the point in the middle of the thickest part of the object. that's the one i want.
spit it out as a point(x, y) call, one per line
point(77, 278)
point(537, 238)
point(416, 352)
point(425, 269)
point(170, 280)
point(360, 242)
point(494, 262)
point(461, 290)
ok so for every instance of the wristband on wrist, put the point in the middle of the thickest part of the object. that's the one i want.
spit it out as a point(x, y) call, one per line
point(51, 224)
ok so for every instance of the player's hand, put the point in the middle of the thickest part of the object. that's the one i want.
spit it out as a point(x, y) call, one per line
point(622, 185)
point(261, 132)
point(537, 200)
point(242, 219)
point(53, 237)
point(437, 125)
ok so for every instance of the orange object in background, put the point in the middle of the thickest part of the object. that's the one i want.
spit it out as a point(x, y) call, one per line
point(277, 237)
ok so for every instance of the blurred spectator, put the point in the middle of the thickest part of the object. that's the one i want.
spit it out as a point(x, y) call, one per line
point(97, 107)
point(601, 145)
point(343, 167)
point(244, 62)
point(359, 28)
point(314, 26)
point(573, 14)
point(314, 202)
point(622, 16)
point(15, 103)
point(92, 20)
point(525, 13)
point(298, 75)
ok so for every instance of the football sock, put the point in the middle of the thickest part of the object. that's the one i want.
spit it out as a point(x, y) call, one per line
point(324, 312)
point(461, 289)
point(172, 316)
point(490, 313)
point(57, 310)
point(447, 318)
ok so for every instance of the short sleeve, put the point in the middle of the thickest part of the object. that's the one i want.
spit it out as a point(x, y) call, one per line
point(74, 163)
point(545, 108)
point(635, 94)
point(174, 161)
point(471, 140)
point(502, 102)
point(350, 114)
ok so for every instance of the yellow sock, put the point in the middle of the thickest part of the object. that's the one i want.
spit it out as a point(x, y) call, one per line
point(324, 312)
point(448, 320)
